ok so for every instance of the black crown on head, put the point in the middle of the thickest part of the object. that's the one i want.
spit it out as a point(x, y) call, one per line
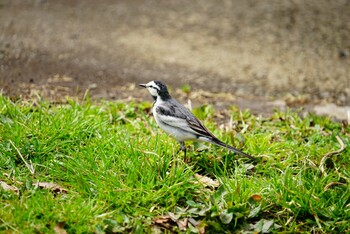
point(163, 90)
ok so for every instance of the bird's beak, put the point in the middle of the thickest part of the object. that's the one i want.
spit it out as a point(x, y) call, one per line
point(143, 85)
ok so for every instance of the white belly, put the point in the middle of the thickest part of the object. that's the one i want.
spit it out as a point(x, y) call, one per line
point(176, 132)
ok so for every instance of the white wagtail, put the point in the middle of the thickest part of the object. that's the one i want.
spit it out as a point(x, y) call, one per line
point(178, 121)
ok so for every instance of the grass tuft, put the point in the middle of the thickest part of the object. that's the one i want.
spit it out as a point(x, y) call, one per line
point(113, 171)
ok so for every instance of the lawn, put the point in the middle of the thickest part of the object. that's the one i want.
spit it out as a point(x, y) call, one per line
point(105, 167)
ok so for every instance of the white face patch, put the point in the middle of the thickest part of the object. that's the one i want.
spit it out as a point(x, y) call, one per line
point(152, 88)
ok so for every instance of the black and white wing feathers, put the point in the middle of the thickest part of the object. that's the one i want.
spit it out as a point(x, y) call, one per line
point(174, 114)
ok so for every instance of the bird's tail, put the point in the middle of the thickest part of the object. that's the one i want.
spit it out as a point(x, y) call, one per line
point(222, 144)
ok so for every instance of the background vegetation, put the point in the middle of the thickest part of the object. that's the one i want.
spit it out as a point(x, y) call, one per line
point(106, 168)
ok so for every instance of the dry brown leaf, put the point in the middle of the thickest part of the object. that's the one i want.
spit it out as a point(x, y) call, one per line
point(193, 222)
point(256, 197)
point(51, 186)
point(182, 224)
point(7, 187)
point(200, 228)
point(206, 181)
point(168, 221)
point(164, 221)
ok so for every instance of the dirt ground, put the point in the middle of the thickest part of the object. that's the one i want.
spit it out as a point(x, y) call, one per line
point(254, 54)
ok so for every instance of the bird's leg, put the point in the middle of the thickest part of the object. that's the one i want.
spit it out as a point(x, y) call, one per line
point(183, 148)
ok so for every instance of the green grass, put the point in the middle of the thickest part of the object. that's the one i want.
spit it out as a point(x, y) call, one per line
point(119, 173)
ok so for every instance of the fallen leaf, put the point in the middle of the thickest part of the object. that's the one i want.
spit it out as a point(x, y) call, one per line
point(256, 197)
point(173, 216)
point(51, 186)
point(168, 221)
point(164, 221)
point(161, 219)
point(206, 181)
point(198, 227)
point(7, 187)
point(182, 224)
point(193, 222)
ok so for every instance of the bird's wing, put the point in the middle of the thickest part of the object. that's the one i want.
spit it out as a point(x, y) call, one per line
point(200, 129)
point(176, 115)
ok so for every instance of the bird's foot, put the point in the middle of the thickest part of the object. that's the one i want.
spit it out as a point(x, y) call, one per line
point(183, 148)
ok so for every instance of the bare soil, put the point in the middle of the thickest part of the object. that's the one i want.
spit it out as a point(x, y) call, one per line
point(258, 54)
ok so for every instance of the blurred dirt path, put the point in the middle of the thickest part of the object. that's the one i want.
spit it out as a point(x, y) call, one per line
point(263, 54)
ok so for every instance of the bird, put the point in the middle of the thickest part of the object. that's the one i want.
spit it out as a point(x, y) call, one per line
point(179, 122)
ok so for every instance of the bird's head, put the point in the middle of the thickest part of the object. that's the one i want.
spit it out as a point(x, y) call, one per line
point(157, 89)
